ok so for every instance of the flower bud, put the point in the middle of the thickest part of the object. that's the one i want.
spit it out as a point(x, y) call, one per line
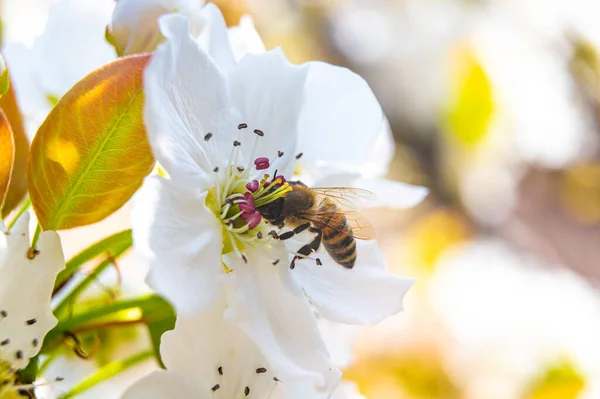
point(134, 27)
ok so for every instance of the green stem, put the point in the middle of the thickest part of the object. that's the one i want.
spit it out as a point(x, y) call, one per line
point(26, 205)
point(83, 318)
point(83, 284)
point(106, 372)
point(36, 235)
point(114, 245)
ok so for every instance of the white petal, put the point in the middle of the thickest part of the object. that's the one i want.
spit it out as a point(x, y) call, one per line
point(340, 111)
point(347, 390)
point(388, 193)
point(211, 351)
point(244, 39)
point(365, 294)
point(162, 384)
point(266, 89)
point(382, 153)
point(59, 57)
point(392, 194)
point(212, 36)
point(186, 98)
point(25, 291)
point(340, 340)
point(281, 322)
point(181, 240)
point(134, 25)
point(65, 56)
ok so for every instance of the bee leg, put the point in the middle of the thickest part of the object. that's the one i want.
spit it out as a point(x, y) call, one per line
point(309, 248)
point(316, 243)
point(289, 234)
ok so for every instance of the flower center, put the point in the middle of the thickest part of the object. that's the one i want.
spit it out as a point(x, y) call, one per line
point(7, 377)
point(238, 193)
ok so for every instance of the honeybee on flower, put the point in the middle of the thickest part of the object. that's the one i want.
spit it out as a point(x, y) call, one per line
point(228, 135)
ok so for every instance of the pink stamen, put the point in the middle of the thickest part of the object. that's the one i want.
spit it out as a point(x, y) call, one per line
point(253, 219)
point(249, 199)
point(246, 208)
point(253, 186)
point(262, 163)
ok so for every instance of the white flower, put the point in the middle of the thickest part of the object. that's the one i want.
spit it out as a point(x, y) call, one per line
point(134, 27)
point(221, 137)
point(207, 357)
point(244, 39)
point(60, 57)
point(25, 291)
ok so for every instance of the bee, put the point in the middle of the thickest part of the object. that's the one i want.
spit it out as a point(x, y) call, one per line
point(326, 212)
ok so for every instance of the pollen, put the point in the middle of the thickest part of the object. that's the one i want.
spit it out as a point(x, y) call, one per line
point(240, 189)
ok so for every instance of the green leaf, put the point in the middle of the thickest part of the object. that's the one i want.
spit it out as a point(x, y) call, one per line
point(160, 317)
point(104, 373)
point(29, 374)
point(91, 153)
point(152, 310)
point(112, 246)
point(471, 105)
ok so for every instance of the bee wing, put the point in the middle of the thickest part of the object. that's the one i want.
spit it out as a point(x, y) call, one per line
point(346, 197)
point(362, 229)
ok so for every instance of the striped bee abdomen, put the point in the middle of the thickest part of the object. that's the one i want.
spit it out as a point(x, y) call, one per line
point(338, 241)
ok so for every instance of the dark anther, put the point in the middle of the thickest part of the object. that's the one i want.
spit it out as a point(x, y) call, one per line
point(299, 156)
point(23, 392)
point(279, 154)
point(19, 354)
point(261, 370)
point(208, 136)
point(236, 143)
point(3, 313)
point(220, 370)
point(276, 379)
point(259, 132)
point(276, 261)
point(242, 125)
point(216, 169)
point(245, 259)
point(32, 253)
point(273, 234)
point(259, 235)
point(215, 387)
point(5, 342)
point(229, 201)
point(319, 262)
point(35, 342)
point(31, 322)
point(59, 379)
point(247, 391)
point(240, 169)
